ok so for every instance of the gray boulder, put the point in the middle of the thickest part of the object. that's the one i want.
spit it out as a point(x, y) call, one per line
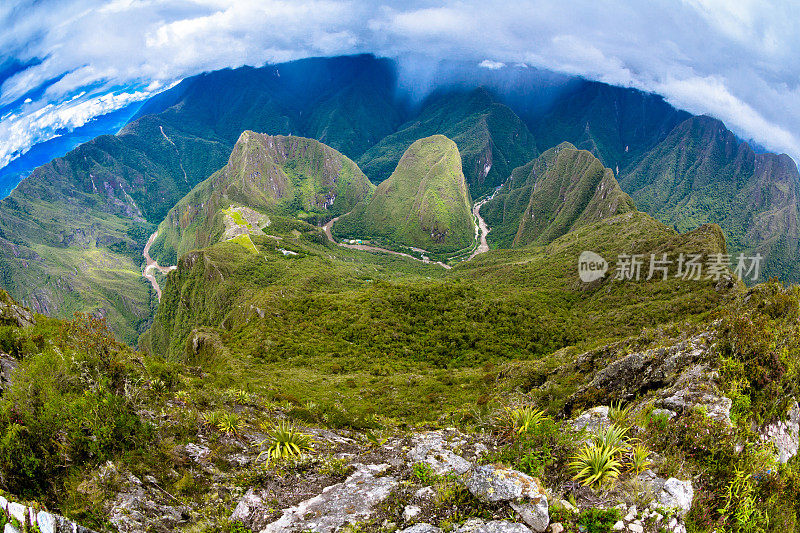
point(785, 434)
point(432, 448)
point(421, 528)
point(677, 494)
point(353, 500)
point(476, 525)
point(592, 420)
point(497, 483)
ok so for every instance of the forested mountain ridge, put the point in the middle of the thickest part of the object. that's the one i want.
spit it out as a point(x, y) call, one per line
point(561, 190)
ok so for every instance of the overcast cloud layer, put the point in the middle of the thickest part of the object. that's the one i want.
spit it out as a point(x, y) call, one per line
point(69, 60)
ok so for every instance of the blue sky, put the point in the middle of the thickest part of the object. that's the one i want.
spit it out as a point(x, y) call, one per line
point(63, 62)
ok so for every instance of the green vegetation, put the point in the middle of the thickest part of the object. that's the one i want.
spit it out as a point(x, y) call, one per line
point(702, 173)
point(423, 204)
point(491, 139)
point(563, 189)
point(600, 462)
point(286, 176)
point(617, 125)
point(70, 407)
point(285, 442)
point(330, 324)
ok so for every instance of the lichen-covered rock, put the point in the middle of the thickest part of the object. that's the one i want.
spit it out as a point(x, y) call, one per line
point(50, 523)
point(411, 512)
point(592, 420)
point(476, 525)
point(13, 314)
point(697, 387)
point(353, 500)
point(785, 434)
point(497, 483)
point(677, 494)
point(421, 528)
point(637, 373)
point(253, 510)
point(432, 448)
point(136, 506)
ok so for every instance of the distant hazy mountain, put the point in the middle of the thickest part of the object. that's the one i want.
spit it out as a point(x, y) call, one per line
point(702, 173)
point(71, 235)
point(492, 140)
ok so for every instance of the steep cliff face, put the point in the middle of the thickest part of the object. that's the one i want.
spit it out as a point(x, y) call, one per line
point(491, 139)
point(702, 173)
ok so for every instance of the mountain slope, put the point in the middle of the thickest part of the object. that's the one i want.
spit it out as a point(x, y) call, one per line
point(423, 204)
point(285, 176)
point(71, 234)
point(617, 125)
point(702, 173)
point(492, 140)
point(561, 190)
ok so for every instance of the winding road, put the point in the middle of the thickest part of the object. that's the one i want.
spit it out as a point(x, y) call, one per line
point(151, 264)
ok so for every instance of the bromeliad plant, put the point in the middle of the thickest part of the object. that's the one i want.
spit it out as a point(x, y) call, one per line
point(600, 461)
point(596, 465)
point(521, 420)
point(619, 414)
point(285, 442)
point(638, 458)
point(229, 423)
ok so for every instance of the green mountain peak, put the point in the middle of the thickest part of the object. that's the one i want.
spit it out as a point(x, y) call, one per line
point(267, 174)
point(425, 203)
point(561, 190)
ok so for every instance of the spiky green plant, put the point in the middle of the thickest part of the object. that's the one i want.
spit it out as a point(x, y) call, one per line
point(611, 437)
point(524, 419)
point(596, 465)
point(639, 458)
point(229, 423)
point(242, 397)
point(285, 441)
point(211, 419)
point(619, 414)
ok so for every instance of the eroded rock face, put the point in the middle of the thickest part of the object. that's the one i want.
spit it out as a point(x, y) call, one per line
point(7, 367)
point(421, 528)
point(638, 373)
point(592, 420)
point(353, 500)
point(697, 387)
point(785, 434)
point(12, 314)
point(497, 483)
point(437, 451)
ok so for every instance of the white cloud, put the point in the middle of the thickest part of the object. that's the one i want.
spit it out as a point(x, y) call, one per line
point(491, 65)
point(734, 60)
point(32, 125)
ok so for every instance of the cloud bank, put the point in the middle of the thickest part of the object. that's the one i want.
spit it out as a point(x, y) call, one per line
point(65, 61)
